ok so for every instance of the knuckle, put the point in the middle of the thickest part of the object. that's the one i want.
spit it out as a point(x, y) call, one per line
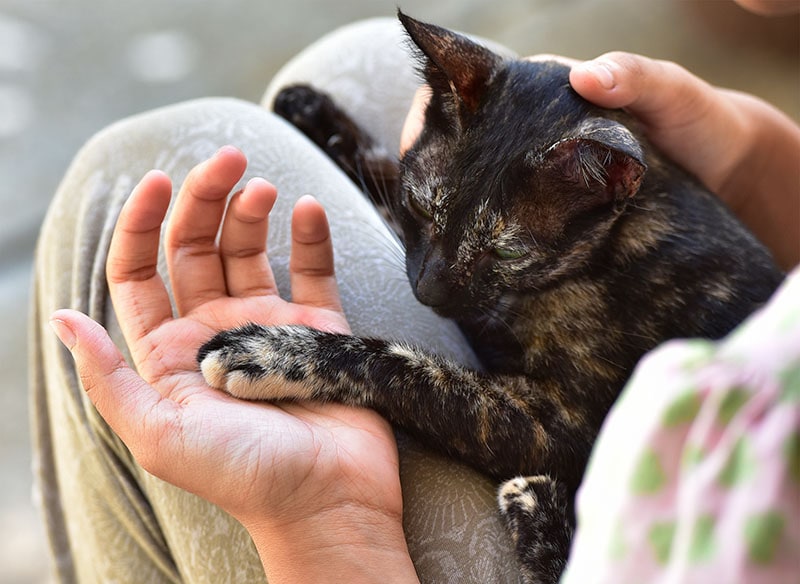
point(241, 253)
point(631, 63)
point(309, 271)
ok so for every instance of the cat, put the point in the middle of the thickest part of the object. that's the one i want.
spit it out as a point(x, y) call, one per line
point(561, 242)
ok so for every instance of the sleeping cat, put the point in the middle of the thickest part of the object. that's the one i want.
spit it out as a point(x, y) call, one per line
point(563, 245)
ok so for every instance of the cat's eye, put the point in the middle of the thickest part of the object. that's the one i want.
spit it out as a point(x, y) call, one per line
point(510, 253)
point(420, 208)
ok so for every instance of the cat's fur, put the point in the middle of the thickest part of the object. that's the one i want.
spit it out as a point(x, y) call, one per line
point(563, 245)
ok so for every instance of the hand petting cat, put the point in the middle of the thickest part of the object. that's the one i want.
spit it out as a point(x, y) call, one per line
point(740, 147)
point(323, 479)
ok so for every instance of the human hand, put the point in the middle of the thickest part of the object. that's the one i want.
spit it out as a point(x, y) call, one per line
point(703, 128)
point(740, 147)
point(302, 478)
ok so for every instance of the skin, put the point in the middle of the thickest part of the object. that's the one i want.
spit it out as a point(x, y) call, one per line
point(740, 147)
point(770, 7)
point(317, 486)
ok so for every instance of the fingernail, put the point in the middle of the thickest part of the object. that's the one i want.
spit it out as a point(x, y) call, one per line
point(601, 72)
point(224, 149)
point(64, 333)
point(257, 181)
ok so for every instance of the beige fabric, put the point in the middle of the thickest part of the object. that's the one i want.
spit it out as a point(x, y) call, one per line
point(107, 519)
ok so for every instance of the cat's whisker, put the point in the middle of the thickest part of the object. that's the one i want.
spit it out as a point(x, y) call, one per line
point(394, 254)
point(381, 195)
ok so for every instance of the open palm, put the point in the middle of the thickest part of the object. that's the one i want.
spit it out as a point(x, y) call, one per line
point(278, 463)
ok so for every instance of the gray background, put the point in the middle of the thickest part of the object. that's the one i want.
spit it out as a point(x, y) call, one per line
point(69, 67)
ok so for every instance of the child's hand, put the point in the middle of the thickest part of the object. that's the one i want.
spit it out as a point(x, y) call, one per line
point(740, 147)
point(312, 479)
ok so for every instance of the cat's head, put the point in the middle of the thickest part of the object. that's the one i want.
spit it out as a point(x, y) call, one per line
point(514, 180)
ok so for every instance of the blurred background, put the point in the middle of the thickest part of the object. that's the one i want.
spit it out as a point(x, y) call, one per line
point(70, 67)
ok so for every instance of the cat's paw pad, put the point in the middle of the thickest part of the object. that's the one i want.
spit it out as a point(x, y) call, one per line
point(254, 362)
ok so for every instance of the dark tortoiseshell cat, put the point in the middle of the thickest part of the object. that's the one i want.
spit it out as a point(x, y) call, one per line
point(561, 243)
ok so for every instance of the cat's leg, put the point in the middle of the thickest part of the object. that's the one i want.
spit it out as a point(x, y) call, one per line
point(360, 97)
point(536, 511)
point(503, 425)
point(365, 69)
point(370, 166)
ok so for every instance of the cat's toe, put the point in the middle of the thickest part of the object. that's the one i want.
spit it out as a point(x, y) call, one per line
point(212, 361)
point(222, 372)
point(518, 503)
point(517, 495)
point(238, 375)
point(228, 361)
point(298, 103)
point(213, 370)
point(535, 512)
point(258, 363)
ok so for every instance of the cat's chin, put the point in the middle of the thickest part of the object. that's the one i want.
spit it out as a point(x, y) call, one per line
point(458, 313)
point(453, 304)
point(445, 311)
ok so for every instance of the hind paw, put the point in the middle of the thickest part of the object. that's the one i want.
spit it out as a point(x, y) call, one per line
point(536, 512)
point(316, 115)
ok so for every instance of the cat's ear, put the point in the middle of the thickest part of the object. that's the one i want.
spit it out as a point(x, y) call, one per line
point(451, 62)
point(602, 157)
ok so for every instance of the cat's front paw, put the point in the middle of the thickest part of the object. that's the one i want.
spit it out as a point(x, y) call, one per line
point(259, 363)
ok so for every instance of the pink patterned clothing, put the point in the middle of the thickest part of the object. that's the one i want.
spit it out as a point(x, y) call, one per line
point(696, 475)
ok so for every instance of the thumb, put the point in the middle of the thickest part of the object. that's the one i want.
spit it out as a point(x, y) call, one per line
point(124, 400)
point(700, 127)
point(660, 93)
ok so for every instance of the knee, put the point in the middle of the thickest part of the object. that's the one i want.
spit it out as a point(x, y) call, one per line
point(174, 126)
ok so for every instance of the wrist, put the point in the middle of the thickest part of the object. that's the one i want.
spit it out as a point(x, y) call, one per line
point(341, 544)
point(763, 188)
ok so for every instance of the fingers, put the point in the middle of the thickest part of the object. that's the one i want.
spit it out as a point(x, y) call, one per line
point(207, 263)
point(195, 266)
point(660, 93)
point(697, 125)
point(137, 291)
point(311, 264)
point(243, 241)
point(130, 406)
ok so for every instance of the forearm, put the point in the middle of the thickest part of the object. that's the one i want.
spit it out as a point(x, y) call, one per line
point(359, 546)
point(764, 188)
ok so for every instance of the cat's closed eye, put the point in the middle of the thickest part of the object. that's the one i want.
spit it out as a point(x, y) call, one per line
point(509, 253)
point(421, 208)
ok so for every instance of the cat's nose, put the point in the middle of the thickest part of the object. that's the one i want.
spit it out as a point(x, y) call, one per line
point(432, 286)
point(432, 293)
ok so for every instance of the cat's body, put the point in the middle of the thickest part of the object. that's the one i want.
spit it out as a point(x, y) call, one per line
point(563, 246)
